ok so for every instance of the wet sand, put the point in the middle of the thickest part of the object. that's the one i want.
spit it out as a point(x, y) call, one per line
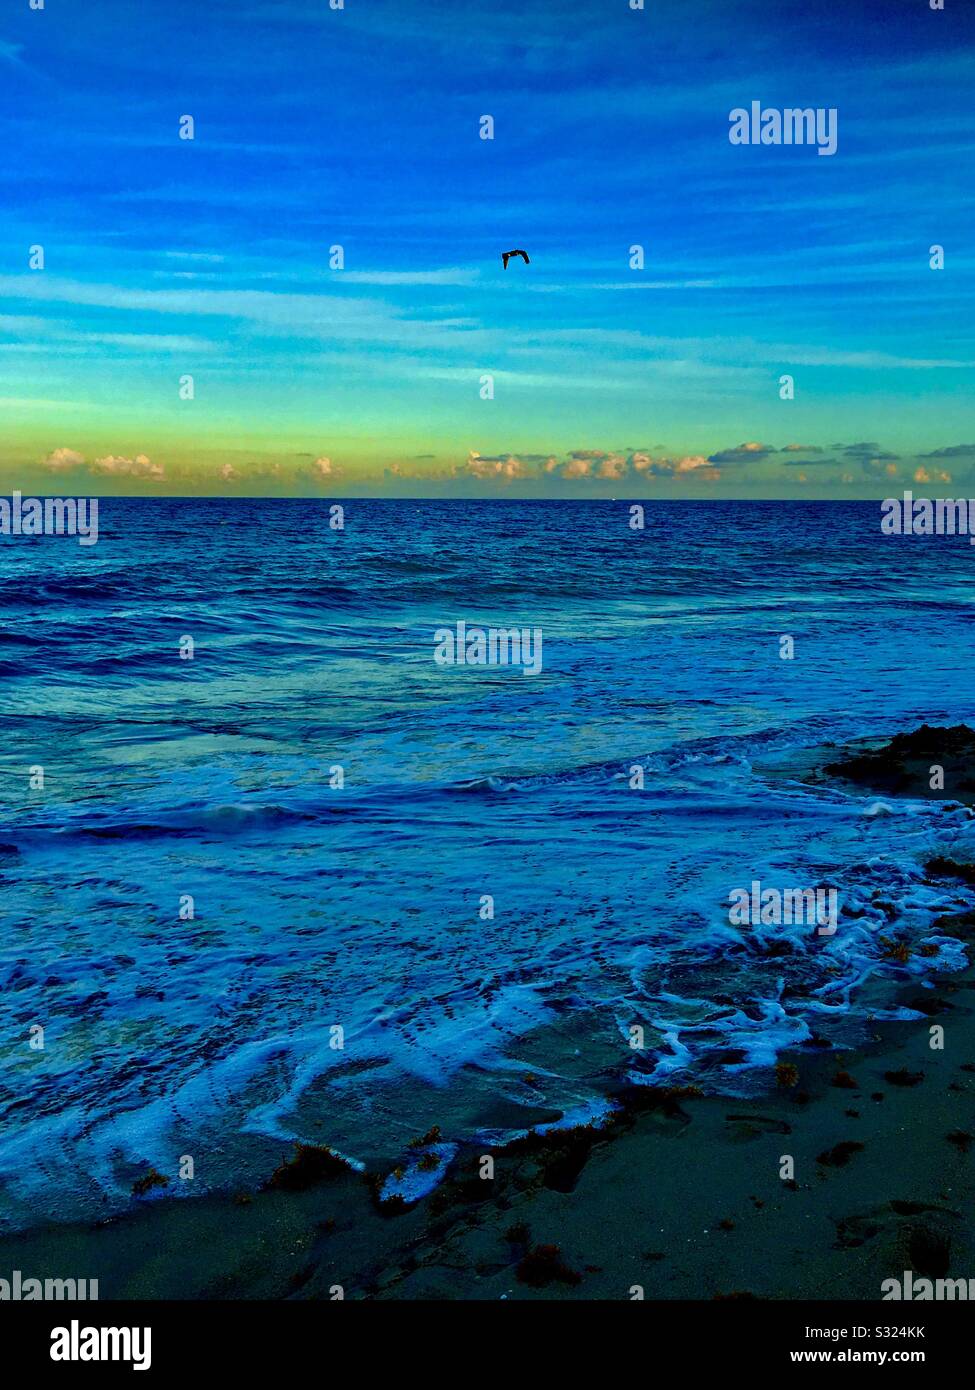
point(684, 1200)
point(681, 1195)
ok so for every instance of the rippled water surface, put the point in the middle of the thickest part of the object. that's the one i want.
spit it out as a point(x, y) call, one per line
point(358, 908)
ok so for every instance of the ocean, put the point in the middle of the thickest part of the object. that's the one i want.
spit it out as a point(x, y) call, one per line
point(313, 884)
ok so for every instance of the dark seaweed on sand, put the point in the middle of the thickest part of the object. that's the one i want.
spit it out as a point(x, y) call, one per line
point(544, 1265)
point(311, 1164)
point(840, 1154)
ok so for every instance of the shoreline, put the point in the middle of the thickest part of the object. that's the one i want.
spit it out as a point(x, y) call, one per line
point(683, 1197)
point(680, 1195)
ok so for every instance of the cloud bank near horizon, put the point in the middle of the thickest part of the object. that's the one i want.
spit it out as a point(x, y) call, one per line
point(749, 468)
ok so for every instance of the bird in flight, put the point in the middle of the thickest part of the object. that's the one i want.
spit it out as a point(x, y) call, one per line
point(506, 257)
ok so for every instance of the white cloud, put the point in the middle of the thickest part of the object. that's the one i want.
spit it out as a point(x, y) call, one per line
point(576, 468)
point(503, 468)
point(63, 458)
point(406, 277)
point(139, 467)
point(612, 467)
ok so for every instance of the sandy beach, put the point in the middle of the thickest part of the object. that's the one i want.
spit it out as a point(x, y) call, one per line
point(854, 1167)
point(683, 1199)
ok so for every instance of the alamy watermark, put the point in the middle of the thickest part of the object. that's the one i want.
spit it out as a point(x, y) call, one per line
point(492, 646)
point(922, 516)
point(775, 907)
point(792, 125)
point(914, 1290)
point(50, 516)
point(18, 1289)
point(77, 1343)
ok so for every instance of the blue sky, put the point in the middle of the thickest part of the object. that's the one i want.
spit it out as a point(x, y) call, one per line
point(360, 127)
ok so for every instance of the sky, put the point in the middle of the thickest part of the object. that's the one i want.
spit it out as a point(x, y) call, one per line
point(419, 366)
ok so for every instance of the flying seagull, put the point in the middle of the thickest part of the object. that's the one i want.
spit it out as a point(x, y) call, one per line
point(506, 257)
